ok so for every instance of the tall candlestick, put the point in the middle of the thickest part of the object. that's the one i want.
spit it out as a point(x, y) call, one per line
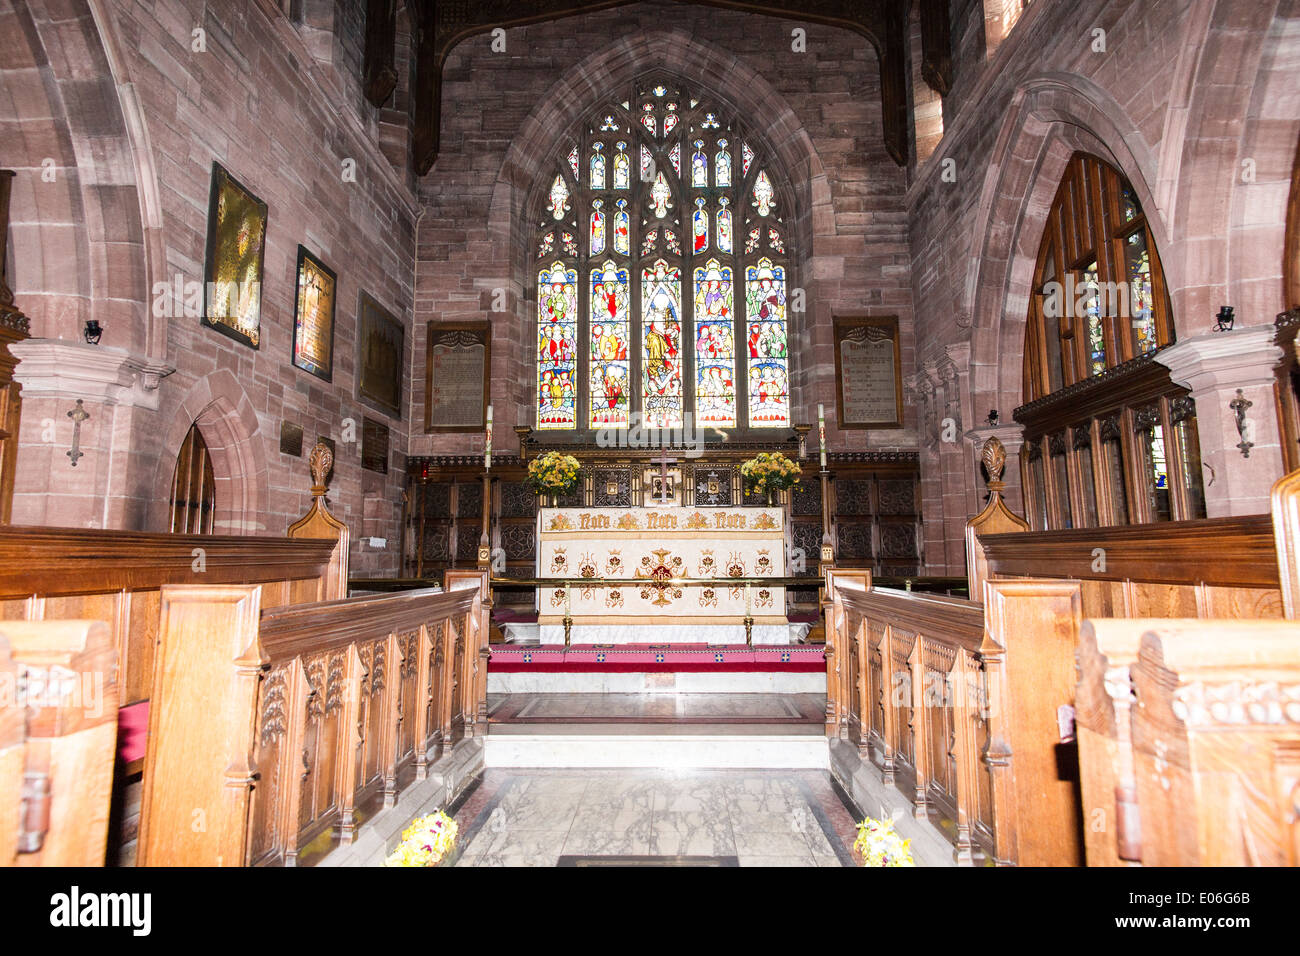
point(566, 601)
point(821, 431)
point(749, 607)
point(487, 442)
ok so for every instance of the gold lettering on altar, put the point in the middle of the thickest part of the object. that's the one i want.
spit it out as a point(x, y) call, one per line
point(590, 522)
point(661, 522)
point(728, 522)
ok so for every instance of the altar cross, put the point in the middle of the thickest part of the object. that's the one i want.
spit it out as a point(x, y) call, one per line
point(663, 461)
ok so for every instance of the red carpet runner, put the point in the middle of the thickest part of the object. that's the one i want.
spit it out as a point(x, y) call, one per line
point(649, 658)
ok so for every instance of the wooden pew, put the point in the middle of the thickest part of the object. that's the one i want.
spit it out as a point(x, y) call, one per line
point(1216, 743)
point(281, 730)
point(842, 663)
point(58, 723)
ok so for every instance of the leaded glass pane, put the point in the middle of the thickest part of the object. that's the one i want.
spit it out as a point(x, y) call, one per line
point(622, 168)
point(622, 233)
point(559, 203)
point(597, 166)
point(699, 165)
point(700, 227)
point(763, 193)
point(557, 331)
point(769, 392)
point(1141, 304)
point(722, 165)
point(597, 228)
point(1091, 295)
point(610, 397)
point(715, 353)
point(661, 346)
point(724, 226)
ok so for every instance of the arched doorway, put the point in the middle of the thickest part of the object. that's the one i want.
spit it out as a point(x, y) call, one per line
point(193, 497)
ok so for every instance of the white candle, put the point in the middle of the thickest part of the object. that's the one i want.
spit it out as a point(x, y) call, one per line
point(566, 603)
point(821, 431)
point(487, 443)
point(749, 607)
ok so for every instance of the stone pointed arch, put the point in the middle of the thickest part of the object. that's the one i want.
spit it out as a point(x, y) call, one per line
point(1051, 117)
point(225, 416)
point(86, 244)
point(531, 154)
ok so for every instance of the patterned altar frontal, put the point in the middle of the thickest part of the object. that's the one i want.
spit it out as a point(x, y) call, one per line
point(643, 550)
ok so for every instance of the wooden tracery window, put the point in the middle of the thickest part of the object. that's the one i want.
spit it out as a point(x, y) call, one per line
point(1109, 438)
point(193, 489)
point(1099, 291)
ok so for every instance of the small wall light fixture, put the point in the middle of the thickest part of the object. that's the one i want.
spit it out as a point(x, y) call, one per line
point(1223, 321)
point(93, 331)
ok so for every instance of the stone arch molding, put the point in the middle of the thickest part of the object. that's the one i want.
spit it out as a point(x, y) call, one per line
point(86, 213)
point(229, 425)
point(676, 52)
point(1050, 118)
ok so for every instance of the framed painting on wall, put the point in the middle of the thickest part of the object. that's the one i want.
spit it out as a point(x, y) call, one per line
point(232, 270)
point(457, 369)
point(381, 345)
point(868, 372)
point(313, 317)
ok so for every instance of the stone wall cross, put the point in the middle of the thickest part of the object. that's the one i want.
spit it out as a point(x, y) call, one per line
point(78, 415)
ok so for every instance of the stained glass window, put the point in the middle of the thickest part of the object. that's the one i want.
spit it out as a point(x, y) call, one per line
point(557, 360)
point(724, 226)
point(661, 346)
point(715, 352)
point(622, 168)
point(722, 164)
point(699, 165)
point(1141, 303)
point(763, 193)
point(682, 263)
point(622, 229)
point(559, 198)
point(1090, 295)
point(700, 227)
point(769, 388)
point(611, 400)
point(597, 228)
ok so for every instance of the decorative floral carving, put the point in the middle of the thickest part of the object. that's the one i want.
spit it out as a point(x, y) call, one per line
point(1237, 702)
point(560, 522)
point(273, 705)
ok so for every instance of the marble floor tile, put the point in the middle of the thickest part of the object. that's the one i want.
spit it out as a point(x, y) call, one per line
point(630, 841)
point(771, 843)
point(691, 834)
point(774, 861)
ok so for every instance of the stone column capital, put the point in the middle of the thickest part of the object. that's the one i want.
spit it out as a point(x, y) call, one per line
point(96, 373)
point(1240, 358)
point(1012, 437)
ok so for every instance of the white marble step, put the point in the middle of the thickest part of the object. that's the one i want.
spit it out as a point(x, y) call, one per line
point(742, 747)
point(641, 682)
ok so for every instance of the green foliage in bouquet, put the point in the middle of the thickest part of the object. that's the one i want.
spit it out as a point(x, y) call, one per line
point(553, 473)
point(768, 472)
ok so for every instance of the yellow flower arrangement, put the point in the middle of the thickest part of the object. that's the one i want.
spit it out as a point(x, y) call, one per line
point(553, 473)
point(768, 472)
point(879, 844)
point(425, 842)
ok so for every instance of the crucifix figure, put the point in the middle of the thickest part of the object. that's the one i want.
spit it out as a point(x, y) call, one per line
point(664, 495)
point(78, 415)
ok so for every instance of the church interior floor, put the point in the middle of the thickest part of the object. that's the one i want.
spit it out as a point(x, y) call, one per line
point(655, 817)
point(660, 708)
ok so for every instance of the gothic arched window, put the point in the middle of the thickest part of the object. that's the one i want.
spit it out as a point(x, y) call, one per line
point(1109, 438)
point(661, 267)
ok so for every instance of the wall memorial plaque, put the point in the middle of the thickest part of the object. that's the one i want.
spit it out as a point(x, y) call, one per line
point(868, 372)
point(313, 317)
point(456, 376)
point(381, 357)
point(374, 446)
point(232, 271)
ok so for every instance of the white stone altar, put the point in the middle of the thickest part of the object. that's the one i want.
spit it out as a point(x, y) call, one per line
point(635, 557)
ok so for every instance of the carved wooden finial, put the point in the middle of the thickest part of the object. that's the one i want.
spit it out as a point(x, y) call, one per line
point(994, 457)
point(321, 461)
